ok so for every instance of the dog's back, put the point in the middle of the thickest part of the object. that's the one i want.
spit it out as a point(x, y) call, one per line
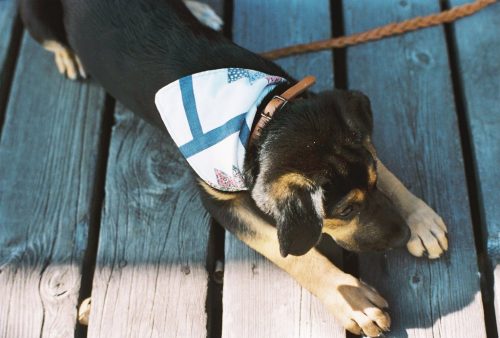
point(135, 47)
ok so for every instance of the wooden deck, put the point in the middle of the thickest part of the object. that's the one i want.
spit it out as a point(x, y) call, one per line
point(96, 203)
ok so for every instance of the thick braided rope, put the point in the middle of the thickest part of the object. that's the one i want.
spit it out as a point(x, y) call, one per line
point(391, 29)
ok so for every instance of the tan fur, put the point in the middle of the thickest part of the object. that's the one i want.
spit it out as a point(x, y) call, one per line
point(356, 305)
point(283, 186)
point(428, 231)
point(217, 194)
point(369, 146)
point(341, 230)
point(372, 176)
point(372, 172)
point(356, 196)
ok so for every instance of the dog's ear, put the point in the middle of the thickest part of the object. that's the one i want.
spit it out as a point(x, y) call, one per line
point(299, 222)
point(297, 206)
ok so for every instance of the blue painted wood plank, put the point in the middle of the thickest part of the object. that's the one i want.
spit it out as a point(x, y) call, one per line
point(264, 25)
point(416, 133)
point(48, 152)
point(478, 50)
point(259, 299)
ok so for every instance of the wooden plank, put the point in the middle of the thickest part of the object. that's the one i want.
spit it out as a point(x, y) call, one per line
point(408, 81)
point(150, 277)
point(264, 25)
point(8, 23)
point(48, 153)
point(478, 47)
point(260, 300)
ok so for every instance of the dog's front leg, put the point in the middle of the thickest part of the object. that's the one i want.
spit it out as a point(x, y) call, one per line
point(428, 231)
point(356, 305)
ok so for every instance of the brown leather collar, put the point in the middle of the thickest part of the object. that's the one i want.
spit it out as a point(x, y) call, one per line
point(278, 102)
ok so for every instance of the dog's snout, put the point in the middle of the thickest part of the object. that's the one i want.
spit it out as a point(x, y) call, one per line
point(401, 235)
point(406, 234)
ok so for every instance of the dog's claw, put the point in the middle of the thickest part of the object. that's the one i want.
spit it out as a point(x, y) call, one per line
point(428, 233)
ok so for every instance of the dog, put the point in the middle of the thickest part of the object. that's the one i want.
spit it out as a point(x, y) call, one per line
point(309, 168)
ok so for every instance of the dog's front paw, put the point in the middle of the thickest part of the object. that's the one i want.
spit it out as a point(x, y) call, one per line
point(428, 232)
point(358, 307)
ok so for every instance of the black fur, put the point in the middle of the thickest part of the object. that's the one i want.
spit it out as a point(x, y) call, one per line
point(135, 47)
point(299, 227)
point(44, 19)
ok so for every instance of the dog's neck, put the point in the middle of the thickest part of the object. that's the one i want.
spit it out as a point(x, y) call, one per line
point(276, 103)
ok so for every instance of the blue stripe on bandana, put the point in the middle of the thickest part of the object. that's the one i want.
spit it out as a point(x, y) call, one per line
point(189, 102)
point(244, 134)
point(214, 136)
point(202, 141)
point(209, 116)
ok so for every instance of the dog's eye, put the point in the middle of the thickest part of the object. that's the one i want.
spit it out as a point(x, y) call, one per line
point(346, 211)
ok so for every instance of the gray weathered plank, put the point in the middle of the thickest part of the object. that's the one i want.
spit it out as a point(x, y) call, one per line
point(408, 81)
point(259, 299)
point(478, 48)
point(150, 278)
point(47, 171)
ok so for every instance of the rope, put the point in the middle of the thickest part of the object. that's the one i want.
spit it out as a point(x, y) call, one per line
point(391, 29)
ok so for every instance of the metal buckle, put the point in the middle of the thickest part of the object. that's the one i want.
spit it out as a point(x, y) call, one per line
point(266, 116)
point(282, 99)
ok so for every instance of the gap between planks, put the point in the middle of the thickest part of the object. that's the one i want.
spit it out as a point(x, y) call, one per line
point(11, 34)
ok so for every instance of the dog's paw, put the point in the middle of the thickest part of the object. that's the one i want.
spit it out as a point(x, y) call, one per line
point(358, 307)
point(205, 14)
point(428, 232)
point(67, 62)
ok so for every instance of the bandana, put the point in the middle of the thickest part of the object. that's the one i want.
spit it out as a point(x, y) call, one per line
point(209, 116)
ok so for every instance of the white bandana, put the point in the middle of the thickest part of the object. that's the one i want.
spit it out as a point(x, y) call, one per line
point(209, 116)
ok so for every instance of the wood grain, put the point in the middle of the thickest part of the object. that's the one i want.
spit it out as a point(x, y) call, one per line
point(150, 278)
point(48, 152)
point(416, 134)
point(478, 48)
point(264, 25)
point(260, 300)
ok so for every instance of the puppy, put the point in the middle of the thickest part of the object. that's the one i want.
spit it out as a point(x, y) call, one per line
point(308, 169)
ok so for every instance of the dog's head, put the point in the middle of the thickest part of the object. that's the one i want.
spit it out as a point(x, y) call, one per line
point(314, 171)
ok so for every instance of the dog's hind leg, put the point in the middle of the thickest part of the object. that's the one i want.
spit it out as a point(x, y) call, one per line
point(44, 20)
point(205, 14)
point(428, 231)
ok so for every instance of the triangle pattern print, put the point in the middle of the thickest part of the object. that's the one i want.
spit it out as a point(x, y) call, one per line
point(234, 182)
